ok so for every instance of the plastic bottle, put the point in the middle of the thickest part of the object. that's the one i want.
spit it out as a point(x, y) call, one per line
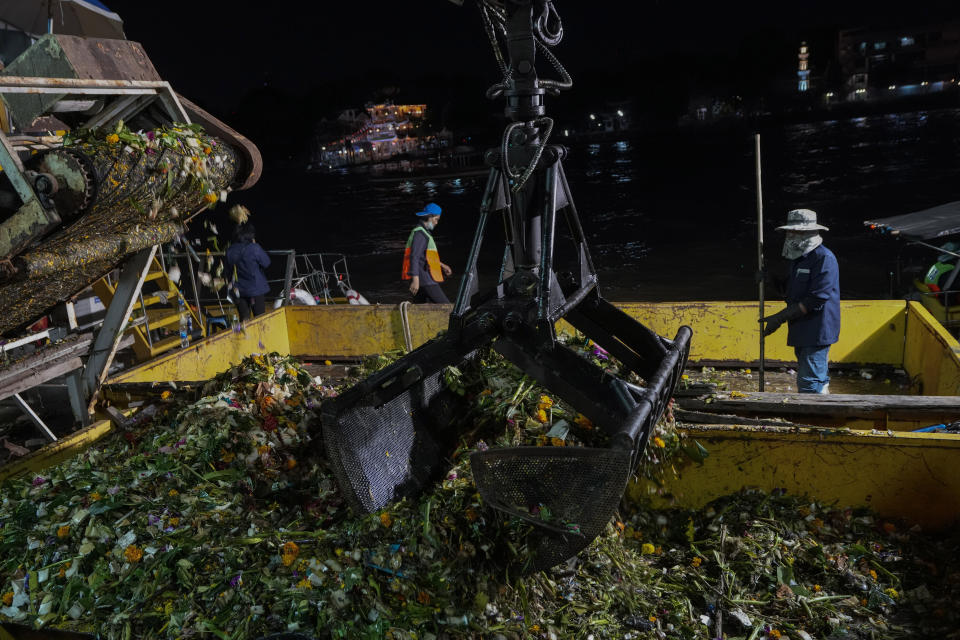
point(235, 322)
point(184, 324)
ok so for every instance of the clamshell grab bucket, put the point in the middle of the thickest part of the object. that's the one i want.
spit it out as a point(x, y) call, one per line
point(391, 435)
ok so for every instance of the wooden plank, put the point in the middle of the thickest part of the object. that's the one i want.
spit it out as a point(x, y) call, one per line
point(28, 380)
point(838, 407)
point(704, 418)
point(46, 355)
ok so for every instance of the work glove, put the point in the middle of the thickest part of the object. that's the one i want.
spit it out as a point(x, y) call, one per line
point(772, 323)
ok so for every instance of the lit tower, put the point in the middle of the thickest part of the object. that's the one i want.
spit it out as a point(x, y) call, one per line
point(803, 73)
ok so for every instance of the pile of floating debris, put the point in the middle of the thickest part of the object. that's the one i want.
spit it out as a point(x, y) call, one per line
point(218, 517)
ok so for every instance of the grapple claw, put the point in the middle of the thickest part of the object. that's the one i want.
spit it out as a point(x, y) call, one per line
point(388, 436)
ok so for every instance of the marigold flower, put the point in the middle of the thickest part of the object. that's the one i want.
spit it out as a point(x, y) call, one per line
point(8, 598)
point(652, 618)
point(545, 402)
point(305, 584)
point(95, 496)
point(133, 553)
point(291, 463)
point(166, 395)
point(873, 574)
point(696, 562)
point(558, 442)
point(207, 150)
point(423, 597)
point(817, 588)
point(263, 449)
point(173, 493)
point(210, 197)
point(227, 456)
point(113, 138)
point(582, 421)
point(290, 552)
point(385, 519)
point(541, 415)
point(657, 440)
point(64, 531)
point(486, 392)
point(774, 634)
point(174, 521)
point(471, 514)
point(892, 593)
point(647, 548)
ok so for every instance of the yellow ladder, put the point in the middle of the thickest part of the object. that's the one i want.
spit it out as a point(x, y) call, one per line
point(157, 303)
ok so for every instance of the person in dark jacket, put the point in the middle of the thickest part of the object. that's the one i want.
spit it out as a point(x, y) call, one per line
point(249, 260)
point(421, 261)
point(812, 313)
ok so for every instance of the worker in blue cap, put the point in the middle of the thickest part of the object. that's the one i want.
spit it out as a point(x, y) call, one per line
point(421, 261)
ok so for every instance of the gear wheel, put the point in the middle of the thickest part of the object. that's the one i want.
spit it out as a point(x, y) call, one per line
point(74, 173)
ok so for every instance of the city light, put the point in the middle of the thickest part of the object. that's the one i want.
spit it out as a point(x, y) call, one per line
point(619, 113)
point(593, 117)
point(829, 94)
point(892, 87)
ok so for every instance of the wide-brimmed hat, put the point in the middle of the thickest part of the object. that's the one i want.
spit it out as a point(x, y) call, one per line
point(802, 220)
point(431, 209)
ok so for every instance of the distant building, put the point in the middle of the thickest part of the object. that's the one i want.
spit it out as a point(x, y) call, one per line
point(615, 116)
point(803, 71)
point(895, 62)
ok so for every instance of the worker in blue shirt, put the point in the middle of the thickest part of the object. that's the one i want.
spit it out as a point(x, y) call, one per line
point(812, 313)
point(247, 260)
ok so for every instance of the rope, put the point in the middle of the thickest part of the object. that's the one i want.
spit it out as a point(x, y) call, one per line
point(405, 322)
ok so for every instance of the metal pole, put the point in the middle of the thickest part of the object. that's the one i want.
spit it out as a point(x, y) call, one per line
point(760, 286)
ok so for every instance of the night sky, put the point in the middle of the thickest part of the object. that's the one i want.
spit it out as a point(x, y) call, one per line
point(224, 48)
point(297, 61)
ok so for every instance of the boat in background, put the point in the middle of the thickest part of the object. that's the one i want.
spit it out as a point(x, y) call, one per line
point(921, 238)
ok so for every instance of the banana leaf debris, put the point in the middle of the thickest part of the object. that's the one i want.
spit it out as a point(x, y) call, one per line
point(217, 518)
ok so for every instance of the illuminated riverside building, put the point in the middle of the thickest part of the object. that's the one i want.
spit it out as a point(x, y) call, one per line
point(897, 62)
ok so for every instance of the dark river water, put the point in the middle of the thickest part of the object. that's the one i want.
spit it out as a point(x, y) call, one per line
point(669, 217)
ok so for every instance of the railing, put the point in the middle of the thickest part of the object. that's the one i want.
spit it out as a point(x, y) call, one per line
point(324, 276)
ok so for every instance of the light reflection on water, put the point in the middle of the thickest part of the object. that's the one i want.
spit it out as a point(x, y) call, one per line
point(669, 217)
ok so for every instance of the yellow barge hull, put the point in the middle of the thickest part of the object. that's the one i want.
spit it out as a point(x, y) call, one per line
point(903, 475)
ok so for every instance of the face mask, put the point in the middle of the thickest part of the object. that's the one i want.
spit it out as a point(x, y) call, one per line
point(800, 243)
point(429, 225)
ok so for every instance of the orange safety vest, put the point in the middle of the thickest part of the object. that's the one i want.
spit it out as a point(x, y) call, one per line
point(433, 257)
